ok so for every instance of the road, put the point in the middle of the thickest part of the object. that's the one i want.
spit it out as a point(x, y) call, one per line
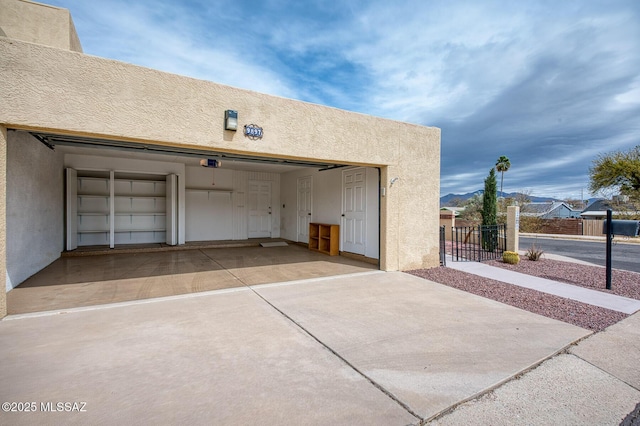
point(624, 256)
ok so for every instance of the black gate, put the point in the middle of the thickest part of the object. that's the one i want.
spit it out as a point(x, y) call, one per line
point(443, 247)
point(478, 243)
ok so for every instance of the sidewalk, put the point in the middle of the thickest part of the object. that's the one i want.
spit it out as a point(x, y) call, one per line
point(581, 294)
point(596, 381)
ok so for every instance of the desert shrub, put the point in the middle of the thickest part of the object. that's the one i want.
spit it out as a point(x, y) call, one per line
point(510, 257)
point(531, 224)
point(534, 253)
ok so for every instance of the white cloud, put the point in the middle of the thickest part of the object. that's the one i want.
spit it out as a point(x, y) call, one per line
point(164, 37)
point(549, 84)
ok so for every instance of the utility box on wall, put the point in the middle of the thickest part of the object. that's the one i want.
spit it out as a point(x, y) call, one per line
point(625, 228)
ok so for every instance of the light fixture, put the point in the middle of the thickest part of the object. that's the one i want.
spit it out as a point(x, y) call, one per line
point(392, 181)
point(231, 120)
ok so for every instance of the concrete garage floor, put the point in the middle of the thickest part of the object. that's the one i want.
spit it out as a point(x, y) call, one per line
point(90, 280)
point(366, 348)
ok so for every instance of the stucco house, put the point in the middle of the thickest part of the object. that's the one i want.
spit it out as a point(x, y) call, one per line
point(549, 210)
point(100, 152)
point(598, 209)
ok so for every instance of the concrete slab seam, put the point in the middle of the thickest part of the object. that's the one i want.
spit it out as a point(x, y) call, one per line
point(386, 392)
point(506, 380)
point(245, 287)
point(604, 371)
point(123, 304)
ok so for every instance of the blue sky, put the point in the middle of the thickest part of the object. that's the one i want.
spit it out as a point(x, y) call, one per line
point(550, 84)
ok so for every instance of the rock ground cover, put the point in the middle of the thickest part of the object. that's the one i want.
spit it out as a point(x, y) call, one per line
point(573, 312)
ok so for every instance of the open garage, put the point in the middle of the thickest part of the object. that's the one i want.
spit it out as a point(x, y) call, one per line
point(102, 153)
point(171, 225)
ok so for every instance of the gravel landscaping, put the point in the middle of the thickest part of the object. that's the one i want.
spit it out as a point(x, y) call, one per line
point(623, 283)
point(581, 314)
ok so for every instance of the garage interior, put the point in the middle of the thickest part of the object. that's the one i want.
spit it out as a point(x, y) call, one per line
point(93, 221)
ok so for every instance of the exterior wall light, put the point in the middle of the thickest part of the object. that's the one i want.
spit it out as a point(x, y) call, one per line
point(231, 120)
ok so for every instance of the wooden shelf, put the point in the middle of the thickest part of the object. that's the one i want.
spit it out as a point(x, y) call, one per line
point(324, 238)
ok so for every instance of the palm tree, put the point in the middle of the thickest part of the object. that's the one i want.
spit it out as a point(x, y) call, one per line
point(502, 165)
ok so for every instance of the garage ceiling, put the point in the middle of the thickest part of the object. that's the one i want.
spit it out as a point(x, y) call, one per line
point(107, 147)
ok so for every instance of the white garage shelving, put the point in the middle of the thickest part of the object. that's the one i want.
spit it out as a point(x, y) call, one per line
point(116, 210)
point(140, 207)
point(94, 211)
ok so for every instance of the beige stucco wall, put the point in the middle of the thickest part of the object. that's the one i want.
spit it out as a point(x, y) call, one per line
point(35, 206)
point(68, 92)
point(38, 23)
point(3, 221)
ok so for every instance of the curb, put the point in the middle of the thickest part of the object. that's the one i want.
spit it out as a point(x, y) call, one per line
point(618, 240)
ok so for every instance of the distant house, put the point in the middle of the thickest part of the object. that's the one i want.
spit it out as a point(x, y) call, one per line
point(598, 209)
point(456, 210)
point(549, 210)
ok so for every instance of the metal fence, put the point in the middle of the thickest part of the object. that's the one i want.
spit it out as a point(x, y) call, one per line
point(477, 243)
point(443, 246)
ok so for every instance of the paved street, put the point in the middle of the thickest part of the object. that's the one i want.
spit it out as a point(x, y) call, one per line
point(625, 256)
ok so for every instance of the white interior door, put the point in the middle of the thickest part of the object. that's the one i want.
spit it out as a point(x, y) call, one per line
point(354, 213)
point(259, 203)
point(72, 209)
point(171, 218)
point(305, 198)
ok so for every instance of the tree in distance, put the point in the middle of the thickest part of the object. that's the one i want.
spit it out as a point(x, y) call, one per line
point(502, 165)
point(489, 200)
point(490, 212)
point(617, 170)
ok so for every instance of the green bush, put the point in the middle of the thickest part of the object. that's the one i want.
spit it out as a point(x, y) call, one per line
point(510, 257)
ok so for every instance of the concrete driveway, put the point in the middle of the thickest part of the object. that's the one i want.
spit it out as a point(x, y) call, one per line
point(367, 348)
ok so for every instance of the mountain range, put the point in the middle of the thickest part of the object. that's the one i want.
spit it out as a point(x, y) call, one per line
point(446, 199)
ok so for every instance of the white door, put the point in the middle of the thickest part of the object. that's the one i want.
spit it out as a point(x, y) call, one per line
point(72, 209)
point(171, 218)
point(259, 203)
point(354, 210)
point(304, 207)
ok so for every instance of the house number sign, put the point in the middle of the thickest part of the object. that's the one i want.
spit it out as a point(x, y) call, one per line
point(252, 131)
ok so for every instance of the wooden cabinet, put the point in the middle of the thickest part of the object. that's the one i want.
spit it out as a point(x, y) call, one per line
point(324, 238)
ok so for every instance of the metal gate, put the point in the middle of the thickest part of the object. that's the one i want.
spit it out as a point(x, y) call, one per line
point(443, 246)
point(478, 243)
